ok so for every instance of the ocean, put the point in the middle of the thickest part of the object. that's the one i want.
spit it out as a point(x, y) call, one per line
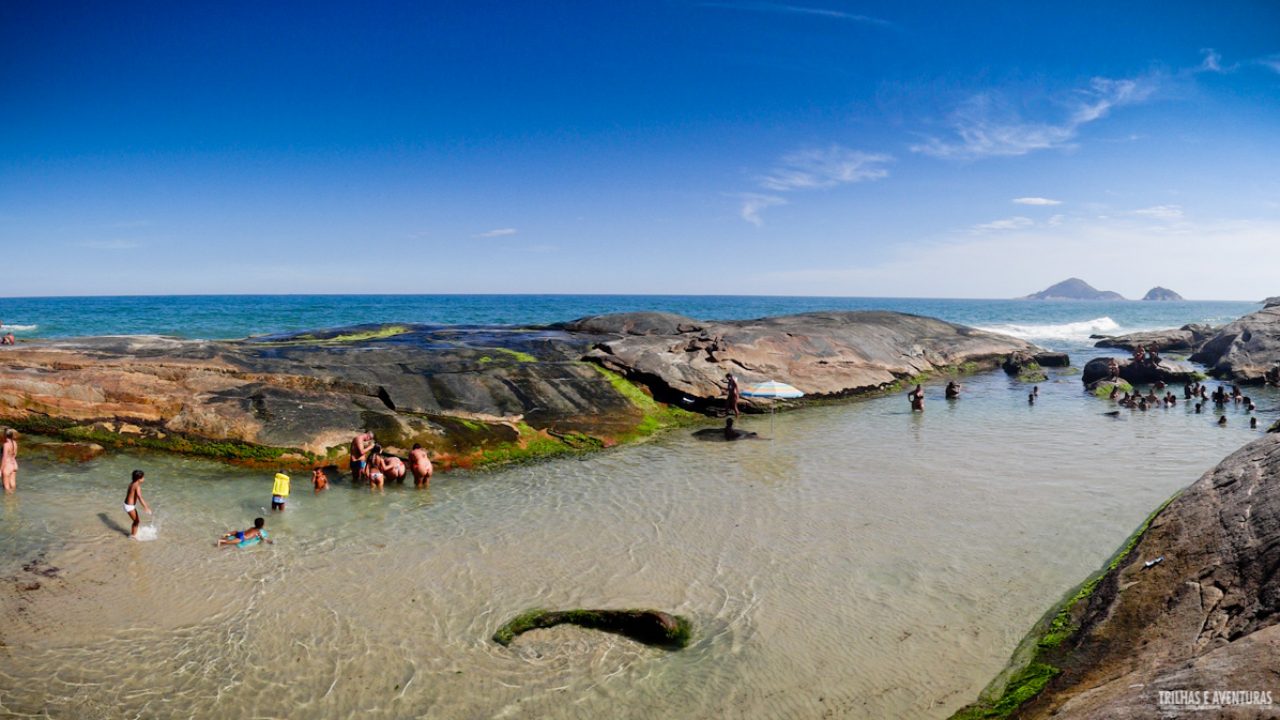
point(1064, 325)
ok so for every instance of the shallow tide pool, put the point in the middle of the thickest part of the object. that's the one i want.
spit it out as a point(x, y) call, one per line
point(862, 562)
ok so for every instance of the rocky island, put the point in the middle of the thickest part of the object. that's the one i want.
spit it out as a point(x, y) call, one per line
point(472, 395)
point(1160, 294)
point(1073, 289)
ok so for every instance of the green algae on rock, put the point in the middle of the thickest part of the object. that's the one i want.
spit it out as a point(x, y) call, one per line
point(651, 627)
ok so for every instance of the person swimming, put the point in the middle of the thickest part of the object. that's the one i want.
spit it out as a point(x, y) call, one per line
point(245, 538)
point(953, 390)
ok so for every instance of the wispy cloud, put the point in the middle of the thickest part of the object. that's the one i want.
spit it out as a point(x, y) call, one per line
point(1013, 223)
point(109, 244)
point(982, 128)
point(1270, 61)
point(753, 203)
point(1161, 212)
point(498, 232)
point(769, 7)
point(1036, 201)
point(1212, 61)
point(818, 168)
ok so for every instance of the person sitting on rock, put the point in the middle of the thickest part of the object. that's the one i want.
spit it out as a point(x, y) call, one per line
point(1153, 358)
point(1139, 355)
point(1113, 368)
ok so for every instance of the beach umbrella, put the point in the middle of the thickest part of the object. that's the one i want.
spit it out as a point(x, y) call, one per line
point(774, 390)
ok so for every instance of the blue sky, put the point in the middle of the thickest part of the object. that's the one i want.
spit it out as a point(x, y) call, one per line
point(734, 146)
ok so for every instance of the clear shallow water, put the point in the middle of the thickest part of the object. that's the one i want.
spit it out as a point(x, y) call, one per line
point(1061, 324)
point(865, 562)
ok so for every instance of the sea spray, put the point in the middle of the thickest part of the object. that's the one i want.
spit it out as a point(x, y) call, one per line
point(150, 531)
point(1078, 331)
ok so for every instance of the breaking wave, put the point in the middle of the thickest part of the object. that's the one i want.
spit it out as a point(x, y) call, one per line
point(1061, 331)
point(18, 328)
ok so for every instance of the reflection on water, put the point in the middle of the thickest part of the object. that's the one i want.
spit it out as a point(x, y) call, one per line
point(863, 562)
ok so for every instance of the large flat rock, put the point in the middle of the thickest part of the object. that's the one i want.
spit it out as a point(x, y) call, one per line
point(1247, 350)
point(461, 391)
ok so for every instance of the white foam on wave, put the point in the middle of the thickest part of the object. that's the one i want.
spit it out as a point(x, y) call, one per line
point(147, 533)
point(19, 328)
point(1060, 331)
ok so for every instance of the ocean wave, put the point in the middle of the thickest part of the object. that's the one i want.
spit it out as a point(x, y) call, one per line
point(1060, 331)
point(18, 328)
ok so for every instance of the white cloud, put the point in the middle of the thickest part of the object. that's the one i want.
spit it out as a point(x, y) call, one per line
point(798, 10)
point(1013, 223)
point(1036, 201)
point(1100, 251)
point(1161, 212)
point(983, 128)
point(499, 232)
point(109, 244)
point(1270, 61)
point(1055, 220)
point(753, 203)
point(1212, 60)
point(817, 168)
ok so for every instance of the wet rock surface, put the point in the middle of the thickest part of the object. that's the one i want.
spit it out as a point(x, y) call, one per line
point(1193, 605)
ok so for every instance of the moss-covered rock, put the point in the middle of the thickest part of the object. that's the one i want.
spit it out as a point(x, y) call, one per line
point(651, 627)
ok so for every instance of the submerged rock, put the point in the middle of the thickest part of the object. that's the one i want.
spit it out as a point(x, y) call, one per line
point(1192, 602)
point(651, 627)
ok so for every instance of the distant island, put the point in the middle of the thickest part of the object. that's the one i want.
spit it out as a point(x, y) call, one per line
point(1161, 294)
point(1074, 289)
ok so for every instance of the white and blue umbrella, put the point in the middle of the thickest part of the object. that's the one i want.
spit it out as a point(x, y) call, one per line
point(771, 389)
point(774, 390)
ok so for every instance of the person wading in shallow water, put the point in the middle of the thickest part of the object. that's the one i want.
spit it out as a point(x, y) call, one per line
point(132, 499)
point(360, 447)
point(917, 399)
point(9, 460)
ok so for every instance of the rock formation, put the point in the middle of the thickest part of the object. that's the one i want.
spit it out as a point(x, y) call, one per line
point(1247, 350)
point(1098, 369)
point(1191, 603)
point(1073, 289)
point(1160, 294)
point(470, 394)
point(1188, 338)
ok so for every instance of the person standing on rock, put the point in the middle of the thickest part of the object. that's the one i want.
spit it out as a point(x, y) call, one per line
point(9, 460)
point(916, 397)
point(420, 465)
point(732, 395)
point(360, 447)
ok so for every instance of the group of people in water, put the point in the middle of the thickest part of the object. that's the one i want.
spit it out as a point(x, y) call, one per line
point(1192, 392)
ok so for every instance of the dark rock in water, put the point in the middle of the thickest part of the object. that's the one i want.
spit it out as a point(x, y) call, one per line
point(1160, 294)
point(652, 627)
point(1073, 289)
point(1187, 338)
point(1138, 374)
point(1024, 367)
point(1192, 602)
point(469, 394)
point(1247, 350)
point(1052, 359)
point(720, 435)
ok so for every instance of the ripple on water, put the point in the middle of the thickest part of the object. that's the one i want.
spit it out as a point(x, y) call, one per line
point(863, 562)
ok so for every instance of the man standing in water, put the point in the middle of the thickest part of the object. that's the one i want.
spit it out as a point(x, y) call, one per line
point(420, 465)
point(953, 390)
point(132, 499)
point(9, 460)
point(360, 447)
